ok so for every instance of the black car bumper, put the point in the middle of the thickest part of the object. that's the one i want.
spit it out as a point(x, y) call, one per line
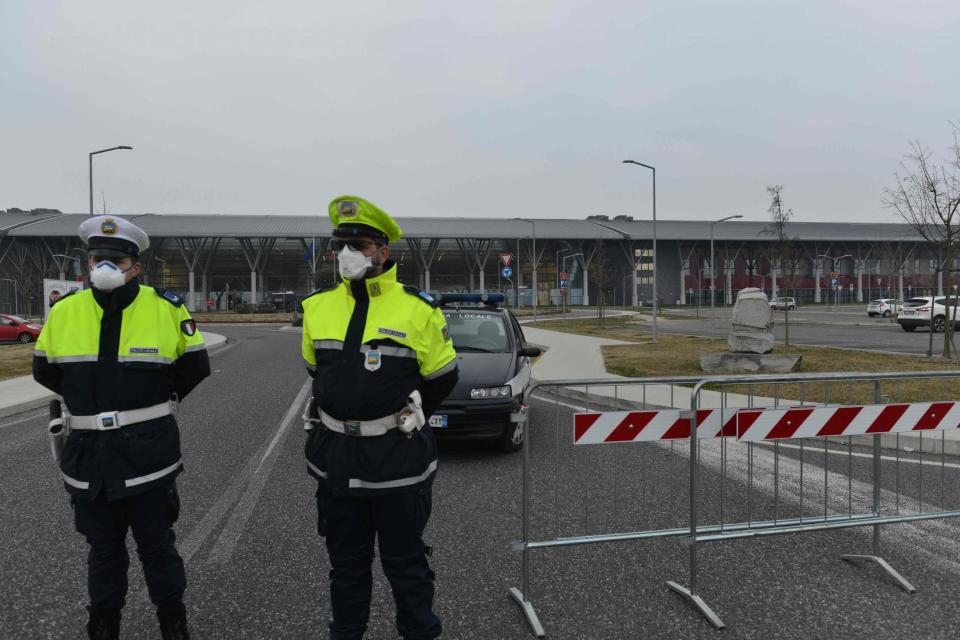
point(475, 419)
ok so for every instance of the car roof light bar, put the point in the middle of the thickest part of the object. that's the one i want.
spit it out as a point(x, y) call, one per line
point(492, 299)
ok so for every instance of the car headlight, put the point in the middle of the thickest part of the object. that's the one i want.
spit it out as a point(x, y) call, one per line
point(490, 392)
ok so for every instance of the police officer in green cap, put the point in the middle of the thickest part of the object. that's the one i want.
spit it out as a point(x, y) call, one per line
point(382, 362)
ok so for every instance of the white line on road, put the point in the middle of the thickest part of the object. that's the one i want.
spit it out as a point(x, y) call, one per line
point(220, 350)
point(21, 420)
point(840, 452)
point(221, 508)
point(227, 542)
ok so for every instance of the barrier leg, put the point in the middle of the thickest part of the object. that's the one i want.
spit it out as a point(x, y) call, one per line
point(527, 607)
point(691, 593)
point(876, 558)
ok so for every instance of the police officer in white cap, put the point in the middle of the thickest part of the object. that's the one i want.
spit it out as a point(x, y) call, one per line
point(122, 355)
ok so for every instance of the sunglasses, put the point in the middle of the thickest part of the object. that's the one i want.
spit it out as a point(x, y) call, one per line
point(357, 244)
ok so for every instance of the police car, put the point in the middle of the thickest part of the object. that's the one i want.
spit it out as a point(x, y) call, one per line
point(494, 362)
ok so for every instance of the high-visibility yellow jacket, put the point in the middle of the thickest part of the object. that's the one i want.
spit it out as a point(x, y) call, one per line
point(368, 344)
point(131, 348)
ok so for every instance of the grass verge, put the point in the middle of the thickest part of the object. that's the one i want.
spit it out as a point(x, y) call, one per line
point(680, 356)
point(16, 360)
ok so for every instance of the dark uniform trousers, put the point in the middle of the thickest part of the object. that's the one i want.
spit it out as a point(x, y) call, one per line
point(150, 516)
point(397, 520)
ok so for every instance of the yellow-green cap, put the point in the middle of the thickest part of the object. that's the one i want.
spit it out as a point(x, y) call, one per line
point(351, 214)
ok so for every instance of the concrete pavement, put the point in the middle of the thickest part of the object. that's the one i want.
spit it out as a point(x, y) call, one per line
point(23, 394)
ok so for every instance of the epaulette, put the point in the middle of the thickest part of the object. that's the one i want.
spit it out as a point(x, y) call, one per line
point(320, 290)
point(423, 295)
point(66, 295)
point(169, 296)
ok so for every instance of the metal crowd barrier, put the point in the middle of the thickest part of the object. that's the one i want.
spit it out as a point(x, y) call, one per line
point(736, 420)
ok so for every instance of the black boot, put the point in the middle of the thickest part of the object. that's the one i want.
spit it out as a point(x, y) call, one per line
point(173, 622)
point(104, 624)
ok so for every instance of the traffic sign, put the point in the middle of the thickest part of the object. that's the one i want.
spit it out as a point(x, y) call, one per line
point(506, 259)
point(563, 284)
point(833, 282)
point(563, 275)
point(506, 272)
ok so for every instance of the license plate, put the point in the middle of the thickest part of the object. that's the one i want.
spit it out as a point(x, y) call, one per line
point(438, 422)
point(907, 313)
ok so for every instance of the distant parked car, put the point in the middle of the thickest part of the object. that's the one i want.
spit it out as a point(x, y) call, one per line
point(916, 313)
point(781, 304)
point(16, 329)
point(885, 307)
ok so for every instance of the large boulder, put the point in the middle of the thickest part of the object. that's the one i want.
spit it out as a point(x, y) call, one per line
point(748, 363)
point(752, 311)
point(743, 342)
point(752, 322)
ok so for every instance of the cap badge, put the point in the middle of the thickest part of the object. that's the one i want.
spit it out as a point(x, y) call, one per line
point(108, 227)
point(348, 209)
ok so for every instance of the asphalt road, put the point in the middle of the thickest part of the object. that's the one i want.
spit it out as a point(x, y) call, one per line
point(256, 568)
point(823, 328)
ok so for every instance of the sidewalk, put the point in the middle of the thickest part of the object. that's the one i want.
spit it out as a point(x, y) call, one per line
point(23, 394)
point(574, 357)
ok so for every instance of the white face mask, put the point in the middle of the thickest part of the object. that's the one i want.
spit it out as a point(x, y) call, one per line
point(353, 265)
point(107, 276)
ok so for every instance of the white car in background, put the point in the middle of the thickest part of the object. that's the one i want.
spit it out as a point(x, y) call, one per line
point(916, 313)
point(885, 307)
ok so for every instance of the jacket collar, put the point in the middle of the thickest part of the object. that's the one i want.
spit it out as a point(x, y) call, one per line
point(375, 286)
point(118, 299)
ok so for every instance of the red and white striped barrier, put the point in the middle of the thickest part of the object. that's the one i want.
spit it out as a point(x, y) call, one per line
point(647, 426)
point(754, 425)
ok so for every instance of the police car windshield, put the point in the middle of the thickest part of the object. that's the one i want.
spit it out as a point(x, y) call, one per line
point(473, 330)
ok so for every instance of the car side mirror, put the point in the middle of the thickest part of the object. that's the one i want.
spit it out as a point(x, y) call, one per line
point(529, 352)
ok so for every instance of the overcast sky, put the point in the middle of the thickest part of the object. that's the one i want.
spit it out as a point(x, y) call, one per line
point(489, 108)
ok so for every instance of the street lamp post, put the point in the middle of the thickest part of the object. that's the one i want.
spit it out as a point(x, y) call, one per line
point(93, 153)
point(534, 266)
point(833, 270)
point(164, 272)
point(557, 262)
point(713, 266)
point(623, 282)
point(66, 257)
point(16, 299)
point(653, 169)
point(564, 265)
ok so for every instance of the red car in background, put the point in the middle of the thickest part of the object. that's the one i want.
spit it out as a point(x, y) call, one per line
point(16, 329)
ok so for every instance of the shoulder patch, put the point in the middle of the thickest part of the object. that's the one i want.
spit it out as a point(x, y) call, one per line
point(66, 295)
point(423, 295)
point(320, 290)
point(189, 327)
point(169, 296)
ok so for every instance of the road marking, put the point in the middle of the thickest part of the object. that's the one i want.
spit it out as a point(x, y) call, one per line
point(219, 350)
point(227, 541)
point(221, 508)
point(21, 420)
point(840, 452)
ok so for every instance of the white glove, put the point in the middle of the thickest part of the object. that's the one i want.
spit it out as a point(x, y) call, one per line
point(415, 418)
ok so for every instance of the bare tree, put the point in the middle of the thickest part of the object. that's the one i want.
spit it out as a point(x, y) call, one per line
point(927, 197)
point(783, 248)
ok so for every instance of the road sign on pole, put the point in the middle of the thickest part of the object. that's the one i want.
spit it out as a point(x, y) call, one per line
point(506, 272)
point(506, 259)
